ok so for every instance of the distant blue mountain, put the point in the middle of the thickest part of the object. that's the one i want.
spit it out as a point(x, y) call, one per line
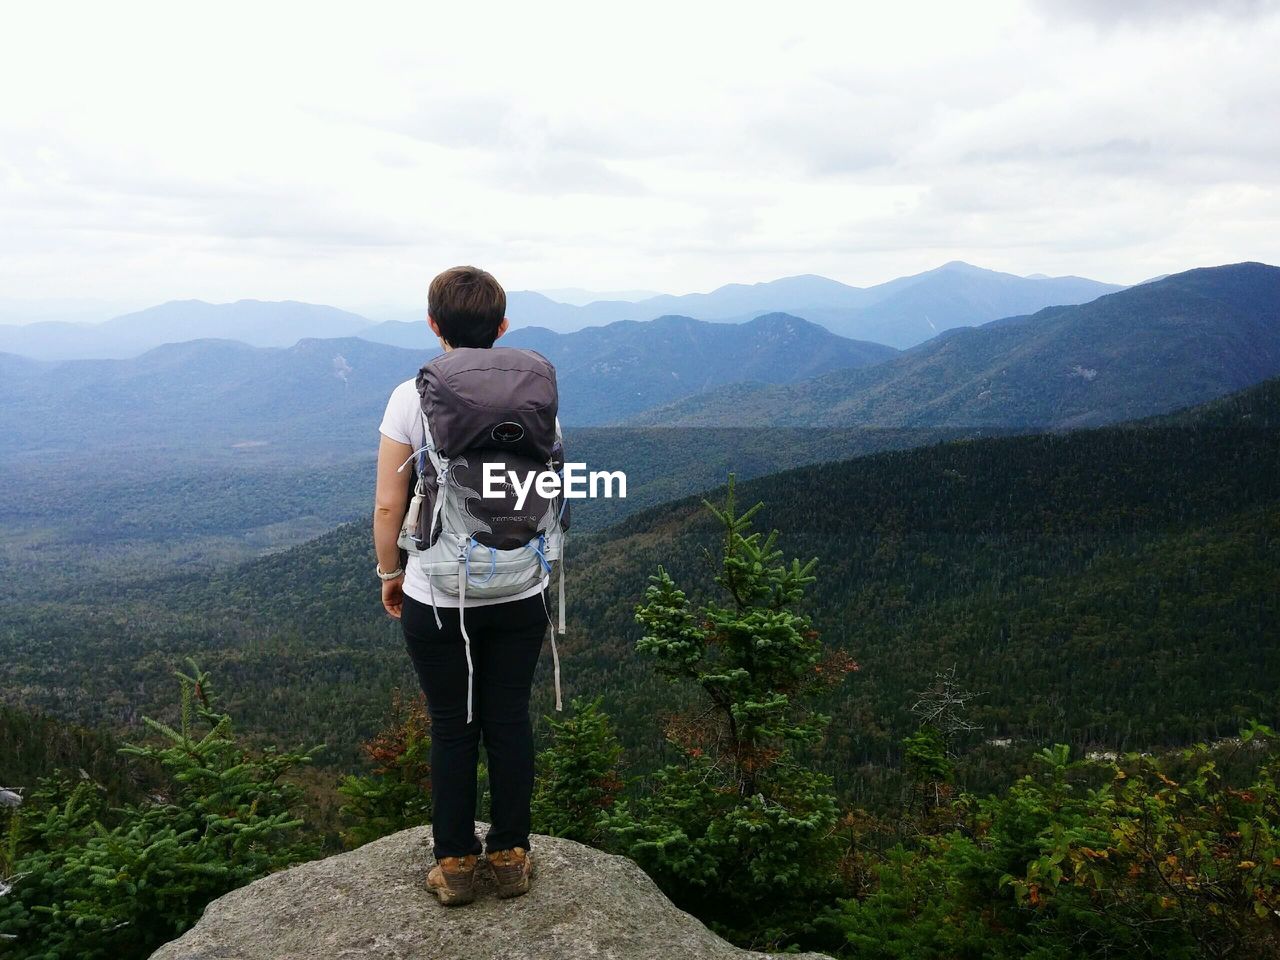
point(580, 297)
point(911, 310)
point(324, 396)
point(256, 322)
point(899, 313)
point(608, 373)
point(1148, 349)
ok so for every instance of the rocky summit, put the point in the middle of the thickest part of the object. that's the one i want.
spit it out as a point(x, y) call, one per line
point(371, 903)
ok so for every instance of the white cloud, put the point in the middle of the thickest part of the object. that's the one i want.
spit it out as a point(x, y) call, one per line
point(320, 153)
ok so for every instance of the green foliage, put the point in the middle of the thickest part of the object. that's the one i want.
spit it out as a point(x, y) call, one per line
point(397, 793)
point(1146, 850)
point(578, 781)
point(738, 830)
point(912, 913)
point(298, 636)
point(1140, 866)
point(90, 881)
point(1110, 588)
point(35, 746)
point(264, 501)
point(924, 758)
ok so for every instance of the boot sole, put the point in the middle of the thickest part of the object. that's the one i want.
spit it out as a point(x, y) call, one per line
point(514, 890)
point(454, 898)
point(516, 887)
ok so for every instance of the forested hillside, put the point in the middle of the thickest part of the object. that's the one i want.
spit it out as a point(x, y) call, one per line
point(607, 374)
point(33, 745)
point(1114, 587)
point(202, 515)
point(1146, 350)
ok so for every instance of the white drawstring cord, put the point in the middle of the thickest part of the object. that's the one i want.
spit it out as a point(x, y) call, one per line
point(400, 469)
point(560, 601)
point(555, 653)
point(462, 626)
point(431, 592)
point(555, 659)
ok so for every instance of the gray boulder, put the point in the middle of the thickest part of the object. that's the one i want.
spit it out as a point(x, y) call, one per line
point(371, 903)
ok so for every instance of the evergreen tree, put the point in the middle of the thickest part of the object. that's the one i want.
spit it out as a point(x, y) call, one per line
point(578, 779)
point(928, 768)
point(738, 830)
point(89, 882)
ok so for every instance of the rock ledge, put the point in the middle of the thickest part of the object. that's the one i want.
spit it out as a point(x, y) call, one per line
point(370, 903)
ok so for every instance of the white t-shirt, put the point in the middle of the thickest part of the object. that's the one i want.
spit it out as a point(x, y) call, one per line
point(402, 422)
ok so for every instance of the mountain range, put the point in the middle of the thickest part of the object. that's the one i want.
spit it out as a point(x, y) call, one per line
point(898, 313)
point(255, 322)
point(641, 361)
point(325, 397)
point(1147, 349)
point(580, 297)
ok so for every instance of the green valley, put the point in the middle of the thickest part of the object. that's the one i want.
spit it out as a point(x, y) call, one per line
point(1112, 587)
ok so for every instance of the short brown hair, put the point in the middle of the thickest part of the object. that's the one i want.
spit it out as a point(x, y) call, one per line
point(468, 305)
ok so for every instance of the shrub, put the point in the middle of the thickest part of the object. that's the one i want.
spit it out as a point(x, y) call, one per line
point(397, 793)
point(578, 780)
point(1142, 866)
point(94, 883)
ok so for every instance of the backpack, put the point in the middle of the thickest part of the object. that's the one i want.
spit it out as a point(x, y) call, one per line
point(487, 406)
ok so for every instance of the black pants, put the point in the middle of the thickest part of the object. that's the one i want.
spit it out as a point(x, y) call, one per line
point(506, 639)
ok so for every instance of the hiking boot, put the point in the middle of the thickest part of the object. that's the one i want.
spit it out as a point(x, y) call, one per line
point(512, 870)
point(453, 880)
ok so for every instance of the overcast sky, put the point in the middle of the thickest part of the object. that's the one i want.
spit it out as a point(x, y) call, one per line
point(344, 154)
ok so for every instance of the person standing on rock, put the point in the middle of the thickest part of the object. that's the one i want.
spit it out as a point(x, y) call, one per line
point(465, 568)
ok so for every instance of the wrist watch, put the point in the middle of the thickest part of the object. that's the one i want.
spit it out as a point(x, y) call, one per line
point(394, 574)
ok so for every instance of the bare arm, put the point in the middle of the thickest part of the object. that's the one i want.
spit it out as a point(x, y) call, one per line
point(391, 499)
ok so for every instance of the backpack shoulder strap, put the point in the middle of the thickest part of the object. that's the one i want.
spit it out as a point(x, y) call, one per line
point(440, 464)
point(428, 448)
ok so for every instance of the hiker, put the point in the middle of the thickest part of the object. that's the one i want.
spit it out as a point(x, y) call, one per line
point(467, 575)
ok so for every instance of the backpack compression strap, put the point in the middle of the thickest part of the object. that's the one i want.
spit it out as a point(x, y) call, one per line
point(462, 626)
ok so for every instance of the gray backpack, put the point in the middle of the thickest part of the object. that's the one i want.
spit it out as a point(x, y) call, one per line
point(487, 406)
